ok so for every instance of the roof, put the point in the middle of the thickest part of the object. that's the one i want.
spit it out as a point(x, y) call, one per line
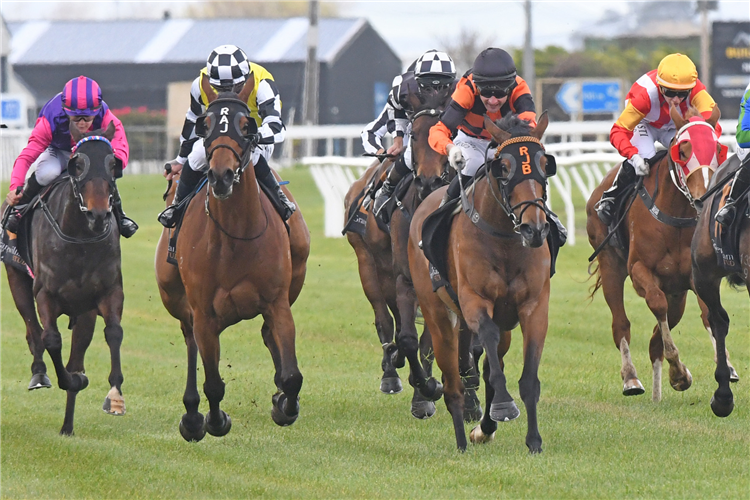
point(175, 40)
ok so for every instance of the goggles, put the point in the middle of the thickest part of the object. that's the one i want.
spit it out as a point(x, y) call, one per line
point(496, 89)
point(682, 94)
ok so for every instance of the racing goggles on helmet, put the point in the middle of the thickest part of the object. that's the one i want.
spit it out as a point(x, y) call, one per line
point(497, 88)
point(682, 94)
point(434, 83)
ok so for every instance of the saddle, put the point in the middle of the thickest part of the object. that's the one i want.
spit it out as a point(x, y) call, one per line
point(394, 202)
point(726, 240)
point(15, 249)
point(357, 215)
point(180, 211)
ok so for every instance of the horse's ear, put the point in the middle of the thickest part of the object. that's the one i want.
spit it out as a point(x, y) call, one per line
point(541, 126)
point(677, 118)
point(211, 94)
point(110, 132)
point(715, 115)
point(496, 132)
point(247, 89)
point(76, 134)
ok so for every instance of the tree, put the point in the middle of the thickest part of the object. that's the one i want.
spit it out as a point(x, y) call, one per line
point(465, 47)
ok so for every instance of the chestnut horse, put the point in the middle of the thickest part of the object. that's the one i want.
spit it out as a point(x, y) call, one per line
point(499, 264)
point(236, 260)
point(707, 276)
point(659, 232)
point(75, 250)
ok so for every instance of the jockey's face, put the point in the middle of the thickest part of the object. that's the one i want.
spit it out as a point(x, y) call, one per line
point(674, 97)
point(493, 104)
point(82, 123)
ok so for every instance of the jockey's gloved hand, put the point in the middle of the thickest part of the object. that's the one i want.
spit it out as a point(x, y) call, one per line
point(456, 158)
point(639, 164)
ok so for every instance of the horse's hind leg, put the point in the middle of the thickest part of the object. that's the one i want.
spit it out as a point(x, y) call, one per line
point(21, 289)
point(485, 431)
point(206, 331)
point(111, 310)
point(83, 332)
point(662, 346)
point(469, 374)
point(613, 275)
point(733, 375)
point(289, 379)
point(422, 407)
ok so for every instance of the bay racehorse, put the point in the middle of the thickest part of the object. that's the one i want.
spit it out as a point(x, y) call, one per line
point(499, 264)
point(236, 260)
point(658, 233)
point(707, 276)
point(75, 252)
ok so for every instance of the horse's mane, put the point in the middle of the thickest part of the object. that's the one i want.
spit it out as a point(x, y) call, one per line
point(514, 125)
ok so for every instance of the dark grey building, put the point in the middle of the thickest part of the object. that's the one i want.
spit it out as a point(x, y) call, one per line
point(134, 61)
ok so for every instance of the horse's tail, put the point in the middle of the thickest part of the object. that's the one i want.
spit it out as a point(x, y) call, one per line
point(593, 269)
point(736, 281)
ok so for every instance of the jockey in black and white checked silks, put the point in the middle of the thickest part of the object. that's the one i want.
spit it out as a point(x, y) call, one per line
point(227, 66)
point(434, 63)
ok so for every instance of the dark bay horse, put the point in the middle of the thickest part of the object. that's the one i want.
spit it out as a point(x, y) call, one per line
point(75, 251)
point(707, 276)
point(236, 260)
point(502, 278)
point(659, 232)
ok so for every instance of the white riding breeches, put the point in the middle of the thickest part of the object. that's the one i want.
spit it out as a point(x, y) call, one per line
point(50, 163)
point(644, 136)
point(474, 150)
point(197, 157)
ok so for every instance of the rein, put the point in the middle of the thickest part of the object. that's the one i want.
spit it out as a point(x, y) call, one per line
point(216, 222)
point(69, 239)
point(648, 201)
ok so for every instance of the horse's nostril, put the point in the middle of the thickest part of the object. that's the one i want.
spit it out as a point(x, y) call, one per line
point(211, 177)
point(228, 176)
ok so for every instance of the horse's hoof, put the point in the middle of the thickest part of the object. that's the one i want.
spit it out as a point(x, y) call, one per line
point(192, 428)
point(633, 387)
point(421, 408)
point(504, 412)
point(220, 428)
point(39, 381)
point(391, 385)
point(114, 403)
point(681, 383)
point(280, 409)
point(80, 381)
point(722, 408)
point(433, 390)
point(472, 406)
point(478, 437)
point(733, 376)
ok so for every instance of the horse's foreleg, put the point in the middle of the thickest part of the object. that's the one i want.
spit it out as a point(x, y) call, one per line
point(469, 373)
point(534, 324)
point(708, 288)
point(206, 331)
point(613, 274)
point(83, 332)
point(49, 311)
point(733, 375)
point(111, 310)
point(408, 342)
point(21, 289)
point(286, 400)
point(192, 423)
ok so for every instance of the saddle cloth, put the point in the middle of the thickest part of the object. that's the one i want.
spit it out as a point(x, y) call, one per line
point(726, 240)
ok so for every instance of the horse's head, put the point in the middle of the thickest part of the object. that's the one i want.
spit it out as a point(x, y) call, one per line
point(695, 148)
point(229, 135)
point(430, 167)
point(520, 170)
point(92, 173)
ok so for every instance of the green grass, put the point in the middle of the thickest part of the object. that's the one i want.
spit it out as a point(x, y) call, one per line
point(351, 441)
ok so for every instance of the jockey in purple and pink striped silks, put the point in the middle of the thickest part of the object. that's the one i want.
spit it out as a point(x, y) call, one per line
point(81, 96)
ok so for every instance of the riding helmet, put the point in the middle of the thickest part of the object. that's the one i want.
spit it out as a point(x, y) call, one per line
point(434, 68)
point(227, 65)
point(677, 72)
point(82, 96)
point(494, 65)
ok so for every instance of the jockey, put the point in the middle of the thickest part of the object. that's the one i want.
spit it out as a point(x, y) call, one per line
point(646, 119)
point(227, 69)
point(80, 104)
point(491, 87)
point(432, 72)
point(741, 183)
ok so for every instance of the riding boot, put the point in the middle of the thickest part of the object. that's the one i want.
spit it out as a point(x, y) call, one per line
point(127, 226)
point(395, 175)
point(625, 177)
point(189, 179)
point(31, 189)
point(725, 216)
point(454, 188)
point(283, 205)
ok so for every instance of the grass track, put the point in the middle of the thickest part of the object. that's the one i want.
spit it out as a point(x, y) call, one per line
point(351, 441)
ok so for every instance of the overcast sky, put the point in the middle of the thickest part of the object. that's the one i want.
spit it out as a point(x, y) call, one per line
point(409, 26)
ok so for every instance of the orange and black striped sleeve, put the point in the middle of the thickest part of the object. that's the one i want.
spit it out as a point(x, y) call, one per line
point(458, 107)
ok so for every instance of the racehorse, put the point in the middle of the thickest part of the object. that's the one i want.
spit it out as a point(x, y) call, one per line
point(498, 263)
point(707, 275)
point(75, 250)
point(236, 260)
point(657, 257)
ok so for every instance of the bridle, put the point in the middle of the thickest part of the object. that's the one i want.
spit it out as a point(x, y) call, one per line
point(677, 171)
point(77, 181)
point(434, 112)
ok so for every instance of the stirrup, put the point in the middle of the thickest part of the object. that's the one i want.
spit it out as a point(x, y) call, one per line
point(168, 217)
point(605, 210)
point(726, 215)
point(127, 226)
point(13, 222)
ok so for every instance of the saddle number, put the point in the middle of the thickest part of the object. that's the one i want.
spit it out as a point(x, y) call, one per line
point(224, 119)
point(526, 164)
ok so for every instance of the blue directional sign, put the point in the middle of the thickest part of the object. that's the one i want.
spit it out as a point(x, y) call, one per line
point(600, 97)
point(13, 110)
point(569, 96)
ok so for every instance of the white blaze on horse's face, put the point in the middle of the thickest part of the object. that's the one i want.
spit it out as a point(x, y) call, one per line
point(224, 120)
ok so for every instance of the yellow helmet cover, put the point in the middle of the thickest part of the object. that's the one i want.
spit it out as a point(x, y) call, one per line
point(677, 71)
